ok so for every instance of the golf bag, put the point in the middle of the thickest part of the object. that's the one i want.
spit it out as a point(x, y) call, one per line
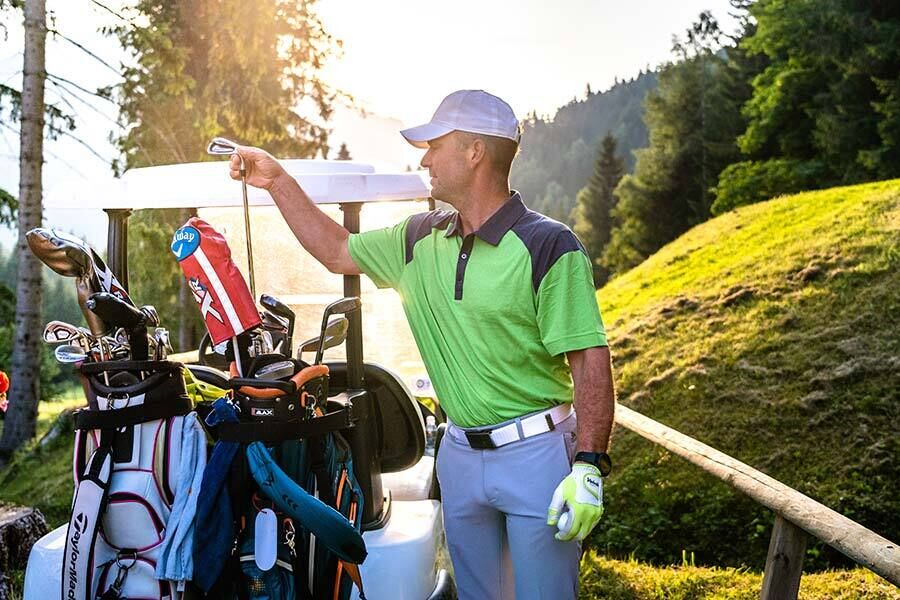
point(297, 506)
point(127, 461)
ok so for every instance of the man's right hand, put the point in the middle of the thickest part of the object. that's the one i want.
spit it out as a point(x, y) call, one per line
point(262, 168)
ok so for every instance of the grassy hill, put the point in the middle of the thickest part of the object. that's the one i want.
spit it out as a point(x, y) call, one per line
point(773, 334)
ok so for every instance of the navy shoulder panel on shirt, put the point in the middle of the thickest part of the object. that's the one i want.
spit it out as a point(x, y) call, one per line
point(547, 240)
point(421, 225)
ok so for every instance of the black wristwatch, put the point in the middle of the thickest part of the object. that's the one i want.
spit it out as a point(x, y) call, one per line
point(600, 460)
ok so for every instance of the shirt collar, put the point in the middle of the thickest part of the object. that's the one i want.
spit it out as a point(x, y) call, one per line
point(493, 230)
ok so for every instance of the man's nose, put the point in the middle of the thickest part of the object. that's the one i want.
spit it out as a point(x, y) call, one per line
point(426, 159)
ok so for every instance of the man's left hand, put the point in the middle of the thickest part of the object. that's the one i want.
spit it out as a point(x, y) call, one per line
point(582, 492)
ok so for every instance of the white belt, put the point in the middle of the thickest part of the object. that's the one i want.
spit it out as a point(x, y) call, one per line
point(486, 438)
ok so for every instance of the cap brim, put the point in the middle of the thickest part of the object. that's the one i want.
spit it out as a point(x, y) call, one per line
point(421, 135)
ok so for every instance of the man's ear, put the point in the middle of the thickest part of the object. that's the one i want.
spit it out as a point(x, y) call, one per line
point(477, 151)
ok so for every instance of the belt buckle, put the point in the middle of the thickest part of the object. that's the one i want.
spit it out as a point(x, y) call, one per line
point(480, 440)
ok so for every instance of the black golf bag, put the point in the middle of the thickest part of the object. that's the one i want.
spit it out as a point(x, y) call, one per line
point(291, 422)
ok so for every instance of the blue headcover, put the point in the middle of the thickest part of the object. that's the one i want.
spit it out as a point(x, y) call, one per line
point(329, 526)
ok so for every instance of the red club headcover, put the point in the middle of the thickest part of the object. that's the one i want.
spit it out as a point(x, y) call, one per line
point(218, 286)
point(4, 382)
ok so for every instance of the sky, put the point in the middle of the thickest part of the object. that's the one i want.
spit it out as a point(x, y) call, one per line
point(400, 58)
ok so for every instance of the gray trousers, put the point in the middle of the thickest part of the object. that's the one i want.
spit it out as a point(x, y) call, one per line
point(495, 516)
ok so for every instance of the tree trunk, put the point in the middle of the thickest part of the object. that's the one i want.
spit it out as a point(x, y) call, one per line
point(25, 390)
point(20, 528)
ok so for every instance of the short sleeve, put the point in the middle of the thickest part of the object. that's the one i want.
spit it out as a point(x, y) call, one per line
point(380, 253)
point(568, 316)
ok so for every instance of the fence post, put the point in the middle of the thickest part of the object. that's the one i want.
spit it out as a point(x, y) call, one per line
point(784, 563)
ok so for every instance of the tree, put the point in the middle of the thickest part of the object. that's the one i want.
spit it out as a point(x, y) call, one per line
point(204, 68)
point(826, 108)
point(693, 119)
point(343, 153)
point(594, 204)
point(25, 390)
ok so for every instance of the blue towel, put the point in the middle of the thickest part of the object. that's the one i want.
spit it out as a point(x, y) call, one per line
point(176, 561)
point(214, 534)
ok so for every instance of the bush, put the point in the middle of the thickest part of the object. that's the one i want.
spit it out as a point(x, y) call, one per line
point(750, 181)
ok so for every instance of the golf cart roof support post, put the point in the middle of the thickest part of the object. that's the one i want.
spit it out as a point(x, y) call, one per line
point(117, 243)
point(351, 212)
point(362, 435)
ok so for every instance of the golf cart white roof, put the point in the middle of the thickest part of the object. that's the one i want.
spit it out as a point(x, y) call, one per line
point(207, 184)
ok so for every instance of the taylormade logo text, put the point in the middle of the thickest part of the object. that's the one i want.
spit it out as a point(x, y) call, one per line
point(79, 526)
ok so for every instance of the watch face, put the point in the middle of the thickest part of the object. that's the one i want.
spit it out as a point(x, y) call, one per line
point(600, 460)
point(604, 464)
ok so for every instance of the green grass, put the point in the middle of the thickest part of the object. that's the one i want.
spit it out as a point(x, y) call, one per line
point(631, 580)
point(42, 477)
point(717, 336)
point(773, 334)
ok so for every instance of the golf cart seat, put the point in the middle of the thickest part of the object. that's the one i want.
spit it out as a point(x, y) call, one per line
point(209, 375)
point(400, 428)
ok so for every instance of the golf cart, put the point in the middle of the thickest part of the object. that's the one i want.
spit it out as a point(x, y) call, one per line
point(401, 516)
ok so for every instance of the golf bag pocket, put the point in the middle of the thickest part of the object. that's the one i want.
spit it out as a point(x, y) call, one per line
point(137, 427)
point(277, 582)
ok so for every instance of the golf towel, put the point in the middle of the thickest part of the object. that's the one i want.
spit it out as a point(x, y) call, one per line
point(176, 561)
point(218, 287)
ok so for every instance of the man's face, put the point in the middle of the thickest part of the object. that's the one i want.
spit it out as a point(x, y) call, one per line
point(446, 163)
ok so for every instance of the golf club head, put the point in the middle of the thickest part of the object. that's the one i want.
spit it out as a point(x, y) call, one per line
point(59, 332)
point(335, 334)
point(340, 307)
point(271, 321)
point(115, 312)
point(63, 253)
point(343, 306)
point(71, 257)
point(69, 354)
point(283, 311)
point(151, 316)
point(118, 313)
point(220, 146)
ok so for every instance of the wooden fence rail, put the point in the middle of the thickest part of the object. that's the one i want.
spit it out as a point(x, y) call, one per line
point(795, 512)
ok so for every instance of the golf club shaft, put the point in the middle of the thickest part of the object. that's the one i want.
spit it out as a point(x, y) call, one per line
point(247, 227)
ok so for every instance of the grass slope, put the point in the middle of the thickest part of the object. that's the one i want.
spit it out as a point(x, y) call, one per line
point(773, 334)
point(770, 333)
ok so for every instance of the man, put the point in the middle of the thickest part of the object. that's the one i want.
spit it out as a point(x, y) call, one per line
point(501, 303)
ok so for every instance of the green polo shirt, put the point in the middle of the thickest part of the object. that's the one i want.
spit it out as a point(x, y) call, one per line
point(493, 313)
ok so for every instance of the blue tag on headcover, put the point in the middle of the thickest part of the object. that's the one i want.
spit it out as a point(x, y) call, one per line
point(185, 242)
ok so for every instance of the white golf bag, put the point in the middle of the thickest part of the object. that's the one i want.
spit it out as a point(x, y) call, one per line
point(127, 459)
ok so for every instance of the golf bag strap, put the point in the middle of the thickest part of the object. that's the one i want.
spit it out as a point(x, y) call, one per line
point(132, 415)
point(114, 366)
point(90, 502)
point(284, 431)
point(157, 386)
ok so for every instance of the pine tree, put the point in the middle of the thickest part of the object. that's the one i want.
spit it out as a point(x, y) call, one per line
point(595, 201)
point(343, 153)
point(206, 68)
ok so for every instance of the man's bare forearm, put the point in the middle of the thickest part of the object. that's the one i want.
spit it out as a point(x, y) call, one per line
point(594, 397)
point(318, 233)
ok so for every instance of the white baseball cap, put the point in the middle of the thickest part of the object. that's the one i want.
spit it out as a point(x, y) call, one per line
point(473, 111)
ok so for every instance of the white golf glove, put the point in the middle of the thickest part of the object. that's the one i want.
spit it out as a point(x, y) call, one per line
point(582, 492)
